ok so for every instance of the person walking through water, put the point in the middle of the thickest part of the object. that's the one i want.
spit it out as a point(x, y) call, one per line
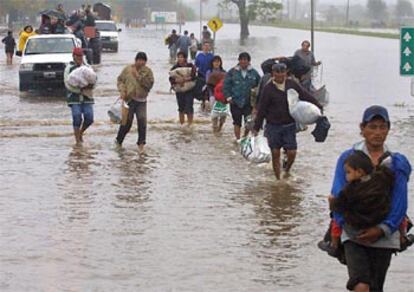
point(309, 59)
point(134, 84)
point(9, 46)
point(194, 46)
point(237, 89)
point(184, 43)
point(171, 41)
point(280, 129)
point(23, 37)
point(80, 102)
point(182, 79)
point(368, 251)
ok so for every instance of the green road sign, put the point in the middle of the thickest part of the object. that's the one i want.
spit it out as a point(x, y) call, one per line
point(407, 51)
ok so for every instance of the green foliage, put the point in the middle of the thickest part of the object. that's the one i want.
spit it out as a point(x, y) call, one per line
point(263, 10)
point(404, 8)
point(377, 9)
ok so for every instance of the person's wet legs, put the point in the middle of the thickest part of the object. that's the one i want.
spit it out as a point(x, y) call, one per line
point(181, 117)
point(291, 155)
point(87, 111)
point(190, 118)
point(141, 113)
point(276, 162)
point(77, 122)
point(124, 129)
point(237, 131)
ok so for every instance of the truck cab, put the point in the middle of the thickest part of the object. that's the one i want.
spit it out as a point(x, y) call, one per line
point(44, 59)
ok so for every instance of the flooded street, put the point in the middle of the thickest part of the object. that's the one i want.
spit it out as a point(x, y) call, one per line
point(191, 214)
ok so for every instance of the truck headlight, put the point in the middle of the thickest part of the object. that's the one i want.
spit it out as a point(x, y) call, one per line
point(26, 67)
point(113, 38)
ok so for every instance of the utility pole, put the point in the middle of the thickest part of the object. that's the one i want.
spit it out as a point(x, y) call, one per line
point(201, 19)
point(313, 26)
point(179, 15)
point(347, 14)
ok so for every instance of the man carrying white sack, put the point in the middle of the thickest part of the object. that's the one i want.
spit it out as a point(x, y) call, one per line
point(280, 129)
point(79, 81)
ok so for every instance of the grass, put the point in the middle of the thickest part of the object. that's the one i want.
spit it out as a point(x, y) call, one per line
point(338, 30)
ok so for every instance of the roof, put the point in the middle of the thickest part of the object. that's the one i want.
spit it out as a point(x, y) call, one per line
point(104, 21)
point(50, 36)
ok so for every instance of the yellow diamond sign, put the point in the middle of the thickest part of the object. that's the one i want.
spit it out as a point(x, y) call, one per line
point(215, 24)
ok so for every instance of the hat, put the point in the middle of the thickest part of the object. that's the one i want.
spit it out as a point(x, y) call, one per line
point(279, 67)
point(375, 111)
point(77, 51)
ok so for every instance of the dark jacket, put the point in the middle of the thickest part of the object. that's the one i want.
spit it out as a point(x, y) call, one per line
point(366, 203)
point(274, 106)
point(172, 40)
point(238, 87)
point(9, 44)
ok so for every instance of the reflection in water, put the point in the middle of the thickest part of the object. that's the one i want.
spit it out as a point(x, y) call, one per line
point(78, 191)
point(134, 181)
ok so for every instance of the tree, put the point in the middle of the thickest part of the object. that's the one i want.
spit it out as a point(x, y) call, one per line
point(404, 8)
point(251, 10)
point(377, 10)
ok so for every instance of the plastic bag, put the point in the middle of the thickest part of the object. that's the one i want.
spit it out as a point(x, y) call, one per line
point(255, 149)
point(322, 96)
point(82, 77)
point(219, 110)
point(115, 112)
point(303, 112)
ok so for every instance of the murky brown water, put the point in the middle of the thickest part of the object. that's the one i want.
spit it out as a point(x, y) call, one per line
point(191, 215)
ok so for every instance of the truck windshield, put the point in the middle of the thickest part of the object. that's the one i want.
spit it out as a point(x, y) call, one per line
point(49, 46)
point(105, 26)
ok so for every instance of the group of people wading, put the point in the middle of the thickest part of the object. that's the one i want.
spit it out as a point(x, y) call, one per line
point(368, 174)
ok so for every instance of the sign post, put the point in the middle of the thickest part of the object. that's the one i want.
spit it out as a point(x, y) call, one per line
point(407, 51)
point(215, 24)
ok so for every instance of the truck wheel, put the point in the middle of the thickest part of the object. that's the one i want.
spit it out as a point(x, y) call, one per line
point(116, 49)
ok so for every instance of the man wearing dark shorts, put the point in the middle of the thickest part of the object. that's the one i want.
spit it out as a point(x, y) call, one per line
point(368, 251)
point(280, 127)
point(238, 85)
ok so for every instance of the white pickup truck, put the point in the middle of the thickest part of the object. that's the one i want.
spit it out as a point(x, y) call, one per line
point(44, 59)
point(109, 34)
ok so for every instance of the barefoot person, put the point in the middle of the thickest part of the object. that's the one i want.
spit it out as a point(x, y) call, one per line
point(238, 85)
point(79, 99)
point(134, 84)
point(183, 83)
point(280, 129)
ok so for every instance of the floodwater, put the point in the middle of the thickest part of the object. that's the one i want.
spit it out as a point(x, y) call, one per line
point(191, 214)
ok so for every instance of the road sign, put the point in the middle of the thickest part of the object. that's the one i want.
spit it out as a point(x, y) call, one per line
point(407, 51)
point(215, 24)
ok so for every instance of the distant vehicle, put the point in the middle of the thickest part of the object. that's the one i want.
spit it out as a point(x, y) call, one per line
point(109, 34)
point(103, 11)
point(44, 59)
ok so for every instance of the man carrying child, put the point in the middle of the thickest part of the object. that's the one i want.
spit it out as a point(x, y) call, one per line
point(368, 249)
